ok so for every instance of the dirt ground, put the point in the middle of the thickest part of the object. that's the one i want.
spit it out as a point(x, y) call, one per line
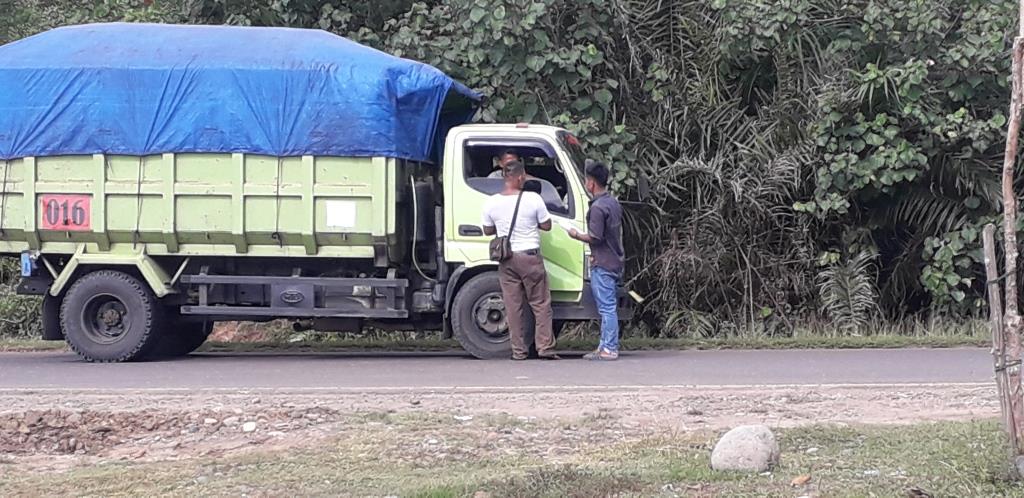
point(53, 431)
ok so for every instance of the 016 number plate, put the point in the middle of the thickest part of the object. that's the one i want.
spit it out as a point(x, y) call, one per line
point(65, 212)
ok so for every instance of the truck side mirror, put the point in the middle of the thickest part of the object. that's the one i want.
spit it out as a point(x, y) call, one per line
point(532, 186)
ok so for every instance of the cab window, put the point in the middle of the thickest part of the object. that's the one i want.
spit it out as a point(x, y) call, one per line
point(482, 170)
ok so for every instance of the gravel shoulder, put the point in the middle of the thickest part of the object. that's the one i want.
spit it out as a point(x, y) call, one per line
point(46, 431)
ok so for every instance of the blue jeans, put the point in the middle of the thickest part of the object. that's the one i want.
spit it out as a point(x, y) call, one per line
point(605, 285)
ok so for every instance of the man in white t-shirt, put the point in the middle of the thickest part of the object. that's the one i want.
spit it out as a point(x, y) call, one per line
point(523, 277)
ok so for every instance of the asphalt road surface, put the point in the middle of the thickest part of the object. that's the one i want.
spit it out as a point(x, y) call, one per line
point(401, 371)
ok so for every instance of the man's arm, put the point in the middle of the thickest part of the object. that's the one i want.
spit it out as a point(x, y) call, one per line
point(488, 221)
point(543, 216)
point(582, 237)
point(595, 229)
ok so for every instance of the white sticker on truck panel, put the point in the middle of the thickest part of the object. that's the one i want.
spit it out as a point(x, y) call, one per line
point(341, 214)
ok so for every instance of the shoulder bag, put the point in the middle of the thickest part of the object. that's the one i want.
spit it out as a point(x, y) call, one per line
point(501, 246)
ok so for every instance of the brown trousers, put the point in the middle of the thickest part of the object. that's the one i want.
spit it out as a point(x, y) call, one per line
point(525, 281)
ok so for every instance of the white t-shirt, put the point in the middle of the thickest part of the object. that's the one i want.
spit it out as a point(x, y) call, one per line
point(532, 212)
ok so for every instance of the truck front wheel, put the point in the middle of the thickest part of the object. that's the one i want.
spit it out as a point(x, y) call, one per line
point(109, 316)
point(478, 318)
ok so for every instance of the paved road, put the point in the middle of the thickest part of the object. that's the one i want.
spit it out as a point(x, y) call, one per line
point(31, 371)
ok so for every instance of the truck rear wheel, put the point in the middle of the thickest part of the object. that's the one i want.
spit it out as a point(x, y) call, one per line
point(109, 316)
point(478, 318)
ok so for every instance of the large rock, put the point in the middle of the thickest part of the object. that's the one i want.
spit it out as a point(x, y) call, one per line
point(748, 448)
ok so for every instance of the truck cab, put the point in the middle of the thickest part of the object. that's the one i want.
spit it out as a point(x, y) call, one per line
point(553, 157)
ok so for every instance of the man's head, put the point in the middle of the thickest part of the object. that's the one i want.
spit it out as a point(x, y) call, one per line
point(507, 156)
point(597, 177)
point(515, 174)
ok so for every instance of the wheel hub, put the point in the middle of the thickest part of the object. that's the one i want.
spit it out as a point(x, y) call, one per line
point(110, 317)
point(490, 317)
point(105, 319)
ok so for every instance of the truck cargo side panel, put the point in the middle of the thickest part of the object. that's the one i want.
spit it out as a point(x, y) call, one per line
point(202, 204)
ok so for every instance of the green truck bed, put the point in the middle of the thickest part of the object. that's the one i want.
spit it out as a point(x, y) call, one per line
point(202, 204)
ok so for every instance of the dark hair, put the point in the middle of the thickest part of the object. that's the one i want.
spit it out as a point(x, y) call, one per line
point(599, 172)
point(514, 168)
point(509, 152)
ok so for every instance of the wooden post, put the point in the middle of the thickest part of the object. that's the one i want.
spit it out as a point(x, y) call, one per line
point(1008, 346)
point(995, 309)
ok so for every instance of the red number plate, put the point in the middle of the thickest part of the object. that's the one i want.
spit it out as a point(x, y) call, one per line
point(70, 213)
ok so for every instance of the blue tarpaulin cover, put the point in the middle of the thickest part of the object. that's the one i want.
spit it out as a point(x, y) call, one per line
point(152, 88)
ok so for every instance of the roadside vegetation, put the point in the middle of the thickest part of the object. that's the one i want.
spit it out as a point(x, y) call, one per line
point(438, 456)
point(784, 164)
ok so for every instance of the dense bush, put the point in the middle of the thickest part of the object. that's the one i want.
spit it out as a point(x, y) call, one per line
point(807, 159)
point(19, 315)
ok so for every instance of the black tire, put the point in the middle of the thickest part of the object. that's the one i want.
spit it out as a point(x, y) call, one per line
point(478, 318)
point(182, 338)
point(109, 316)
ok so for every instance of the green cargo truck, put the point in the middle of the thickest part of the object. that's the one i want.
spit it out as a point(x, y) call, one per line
point(152, 192)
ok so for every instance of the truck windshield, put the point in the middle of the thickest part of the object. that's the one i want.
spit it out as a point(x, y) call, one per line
point(572, 145)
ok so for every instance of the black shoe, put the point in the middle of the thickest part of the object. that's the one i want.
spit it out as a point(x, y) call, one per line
point(549, 356)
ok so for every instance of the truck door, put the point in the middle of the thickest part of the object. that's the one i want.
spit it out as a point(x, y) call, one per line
point(469, 164)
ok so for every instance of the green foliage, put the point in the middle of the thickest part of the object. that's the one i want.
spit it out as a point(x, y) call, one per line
point(19, 315)
point(536, 61)
point(847, 290)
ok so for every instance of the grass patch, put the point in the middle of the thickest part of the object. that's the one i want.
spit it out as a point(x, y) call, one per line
point(26, 345)
point(964, 459)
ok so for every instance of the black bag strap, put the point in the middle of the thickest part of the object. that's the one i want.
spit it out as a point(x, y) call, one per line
point(515, 214)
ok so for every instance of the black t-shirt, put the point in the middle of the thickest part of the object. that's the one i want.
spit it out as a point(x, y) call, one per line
point(604, 225)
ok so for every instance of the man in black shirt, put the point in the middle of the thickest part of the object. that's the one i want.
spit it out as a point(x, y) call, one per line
point(604, 235)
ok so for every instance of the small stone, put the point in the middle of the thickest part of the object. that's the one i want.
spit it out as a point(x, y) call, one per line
point(749, 448)
point(463, 418)
point(33, 418)
point(202, 479)
point(75, 418)
point(800, 480)
point(432, 441)
point(275, 434)
point(231, 421)
point(871, 473)
point(811, 451)
point(209, 421)
point(249, 427)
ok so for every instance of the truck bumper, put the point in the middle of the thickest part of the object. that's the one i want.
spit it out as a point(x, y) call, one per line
point(586, 309)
